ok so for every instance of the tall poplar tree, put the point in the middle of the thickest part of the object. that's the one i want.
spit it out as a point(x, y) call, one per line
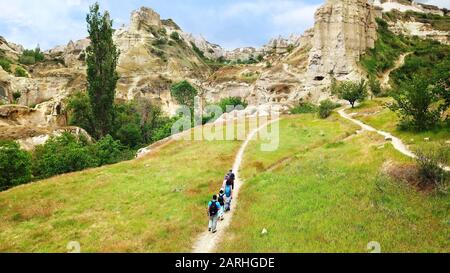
point(101, 59)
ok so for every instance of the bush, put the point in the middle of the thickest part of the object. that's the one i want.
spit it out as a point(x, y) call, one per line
point(175, 36)
point(16, 96)
point(159, 42)
point(15, 165)
point(304, 108)
point(5, 64)
point(61, 155)
point(27, 60)
point(430, 164)
point(351, 91)
point(107, 151)
point(326, 107)
point(130, 135)
point(414, 101)
point(20, 72)
point(228, 104)
point(29, 57)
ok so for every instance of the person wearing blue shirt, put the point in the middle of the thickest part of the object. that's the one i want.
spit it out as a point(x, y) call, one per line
point(213, 214)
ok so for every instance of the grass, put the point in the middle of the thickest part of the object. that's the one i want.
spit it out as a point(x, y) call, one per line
point(376, 114)
point(154, 204)
point(331, 198)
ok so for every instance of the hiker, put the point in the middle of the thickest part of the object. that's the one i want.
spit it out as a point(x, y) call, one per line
point(228, 197)
point(213, 213)
point(221, 200)
point(229, 180)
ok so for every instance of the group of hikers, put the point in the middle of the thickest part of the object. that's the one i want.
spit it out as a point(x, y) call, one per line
point(221, 202)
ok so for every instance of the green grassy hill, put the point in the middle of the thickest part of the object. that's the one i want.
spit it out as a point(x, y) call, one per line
point(324, 189)
point(153, 204)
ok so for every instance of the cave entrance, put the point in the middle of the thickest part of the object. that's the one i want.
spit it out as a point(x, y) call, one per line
point(319, 78)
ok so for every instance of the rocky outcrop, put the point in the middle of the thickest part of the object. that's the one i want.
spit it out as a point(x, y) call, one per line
point(408, 5)
point(10, 50)
point(419, 29)
point(343, 31)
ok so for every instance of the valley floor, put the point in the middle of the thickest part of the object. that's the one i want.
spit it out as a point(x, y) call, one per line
point(324, 190)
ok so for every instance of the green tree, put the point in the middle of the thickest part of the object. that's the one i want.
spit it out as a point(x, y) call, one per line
point(414, 101)
point(107, 151)
point(184, 93)
point(80, 112)
point(351, 91)
point(325, 108)
point(15, 165)
point(60, 155)
point(101, 60)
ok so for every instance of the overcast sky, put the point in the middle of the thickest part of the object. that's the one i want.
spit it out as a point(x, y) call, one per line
point(229, 23)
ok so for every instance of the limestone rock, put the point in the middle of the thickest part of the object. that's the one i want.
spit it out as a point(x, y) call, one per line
point(144, 18)
point(343, 31)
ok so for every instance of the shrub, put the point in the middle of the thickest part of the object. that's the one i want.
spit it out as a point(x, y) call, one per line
point(175, 36)
point(414, 101)
point(16, 96)
point(303, 108)
point(15, 165)
point(159, 42)
point(351, 91)
point(20, 72)
point(326, 107)
point(130, 135)
point(60, 155)
point(107, 151)
point(27, 60)
point(430, 164)
point(5, 64)
point(31, 56)
point(228, 104)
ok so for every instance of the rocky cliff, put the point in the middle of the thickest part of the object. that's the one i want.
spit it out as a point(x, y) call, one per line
point(156, 53)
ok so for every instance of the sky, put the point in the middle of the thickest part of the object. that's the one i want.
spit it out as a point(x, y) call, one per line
point(229, 23)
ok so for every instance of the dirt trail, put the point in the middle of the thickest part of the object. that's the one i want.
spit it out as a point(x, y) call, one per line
point(207, 241)
point(384, 80)
point(396, 142)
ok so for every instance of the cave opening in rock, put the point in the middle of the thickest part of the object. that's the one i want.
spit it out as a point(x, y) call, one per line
point(319, 78)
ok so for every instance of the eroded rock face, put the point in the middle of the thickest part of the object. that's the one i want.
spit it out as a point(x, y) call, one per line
point(144, 18)
point(343, 31)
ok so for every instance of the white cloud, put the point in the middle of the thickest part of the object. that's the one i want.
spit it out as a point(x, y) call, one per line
point(45, 21)
point(439, 3)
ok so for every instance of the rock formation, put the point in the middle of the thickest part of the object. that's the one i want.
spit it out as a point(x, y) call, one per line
point(293, 69)
point(343, 31)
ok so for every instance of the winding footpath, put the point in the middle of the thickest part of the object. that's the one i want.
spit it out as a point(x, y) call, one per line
point(207, 241)
point(396, 142)
point(385, 78)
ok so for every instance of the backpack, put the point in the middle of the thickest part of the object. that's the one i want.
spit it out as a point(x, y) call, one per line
point(228, 191)
point(221, 199)
point(230, 181)
point(213, 209)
